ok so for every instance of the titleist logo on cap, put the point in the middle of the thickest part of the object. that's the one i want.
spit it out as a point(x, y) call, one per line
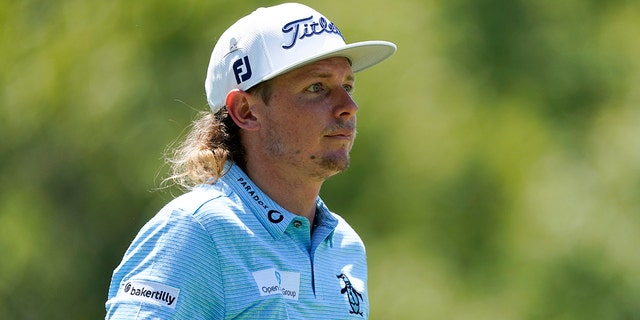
point(308, 30)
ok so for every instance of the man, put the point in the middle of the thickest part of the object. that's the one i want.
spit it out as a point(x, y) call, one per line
point(252, 239)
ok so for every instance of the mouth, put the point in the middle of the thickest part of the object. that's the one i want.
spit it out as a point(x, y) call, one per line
point(344, 134)
point(343, 130)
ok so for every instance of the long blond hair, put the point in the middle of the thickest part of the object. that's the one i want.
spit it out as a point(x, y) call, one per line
point(201, 157)
point(213, 140)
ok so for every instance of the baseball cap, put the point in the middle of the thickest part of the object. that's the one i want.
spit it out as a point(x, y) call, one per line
point(274, 40)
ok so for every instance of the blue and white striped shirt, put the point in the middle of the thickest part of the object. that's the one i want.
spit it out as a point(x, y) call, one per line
point(227, 251)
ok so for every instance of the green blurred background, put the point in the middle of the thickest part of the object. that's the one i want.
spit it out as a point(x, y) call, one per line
point(496, 173)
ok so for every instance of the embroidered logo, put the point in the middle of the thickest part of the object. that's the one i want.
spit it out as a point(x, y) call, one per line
point(274, 216)
point(355, 297)
point(309, 29)
point(271, 281)
point(151, 292)
point(242, 70)
point(233, 45)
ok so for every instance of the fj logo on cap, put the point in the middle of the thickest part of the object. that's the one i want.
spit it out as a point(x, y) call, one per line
point(309, 28)
point(242, 70)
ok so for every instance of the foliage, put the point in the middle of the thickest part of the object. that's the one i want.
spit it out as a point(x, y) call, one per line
point(496, 173)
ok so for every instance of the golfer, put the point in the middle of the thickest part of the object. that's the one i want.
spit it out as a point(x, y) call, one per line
point(251, 239)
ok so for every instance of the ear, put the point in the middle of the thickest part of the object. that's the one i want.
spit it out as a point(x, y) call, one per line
point(239, 108)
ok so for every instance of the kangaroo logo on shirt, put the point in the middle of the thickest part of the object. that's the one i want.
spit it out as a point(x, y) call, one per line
point(355, 297)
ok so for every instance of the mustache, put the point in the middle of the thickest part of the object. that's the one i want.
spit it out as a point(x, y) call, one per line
point(341, 126)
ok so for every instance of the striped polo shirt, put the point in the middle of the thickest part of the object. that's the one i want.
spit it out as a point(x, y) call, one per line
point(227, 251)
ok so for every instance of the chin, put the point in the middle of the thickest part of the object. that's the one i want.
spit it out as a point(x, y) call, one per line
point(335, 164)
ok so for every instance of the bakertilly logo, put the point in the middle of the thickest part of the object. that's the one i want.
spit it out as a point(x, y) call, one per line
point(151, 292)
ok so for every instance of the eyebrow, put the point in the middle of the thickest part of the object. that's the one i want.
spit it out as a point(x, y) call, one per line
point(326, 75)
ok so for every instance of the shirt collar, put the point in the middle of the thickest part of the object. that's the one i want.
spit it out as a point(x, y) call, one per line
point(274, 218)
point(325, 222)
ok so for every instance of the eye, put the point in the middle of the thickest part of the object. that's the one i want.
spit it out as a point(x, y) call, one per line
point(348, 88)
point(315, 88)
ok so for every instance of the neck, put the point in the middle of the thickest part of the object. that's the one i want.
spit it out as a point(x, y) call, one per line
point(294, 193)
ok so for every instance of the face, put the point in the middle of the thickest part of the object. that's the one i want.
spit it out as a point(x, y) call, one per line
point(308, 125)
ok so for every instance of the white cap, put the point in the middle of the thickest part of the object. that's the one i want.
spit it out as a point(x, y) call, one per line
point(274, 40)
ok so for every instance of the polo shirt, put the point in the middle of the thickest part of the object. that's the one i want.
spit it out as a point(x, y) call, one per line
point(227, 251)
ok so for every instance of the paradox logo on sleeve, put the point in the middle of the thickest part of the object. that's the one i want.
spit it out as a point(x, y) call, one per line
point(152, 292)
point(271, 281)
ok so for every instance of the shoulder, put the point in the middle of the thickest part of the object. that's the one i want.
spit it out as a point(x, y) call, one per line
point(216, 209)
point(192, 201)
point(342, 225)
point(345, 235)
point(200, 205)
point(175, 233)
point(175, 239)
point(172, 253)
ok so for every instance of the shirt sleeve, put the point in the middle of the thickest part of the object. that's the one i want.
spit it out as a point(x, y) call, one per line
point(170, 271)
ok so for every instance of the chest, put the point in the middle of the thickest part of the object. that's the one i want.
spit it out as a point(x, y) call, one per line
point(289, 278)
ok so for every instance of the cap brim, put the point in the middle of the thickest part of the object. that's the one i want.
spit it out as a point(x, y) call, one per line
point(361, 54)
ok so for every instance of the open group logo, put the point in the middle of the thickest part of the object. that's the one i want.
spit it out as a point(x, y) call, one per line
point(150, 292)
point(271, 281)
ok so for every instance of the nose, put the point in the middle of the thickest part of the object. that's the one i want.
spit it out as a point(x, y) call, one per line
point(345, 106)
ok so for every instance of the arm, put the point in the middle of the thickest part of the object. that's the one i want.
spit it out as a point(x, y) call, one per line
point(170, 271)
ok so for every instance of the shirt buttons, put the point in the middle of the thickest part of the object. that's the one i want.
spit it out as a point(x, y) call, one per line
point(297, 224)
